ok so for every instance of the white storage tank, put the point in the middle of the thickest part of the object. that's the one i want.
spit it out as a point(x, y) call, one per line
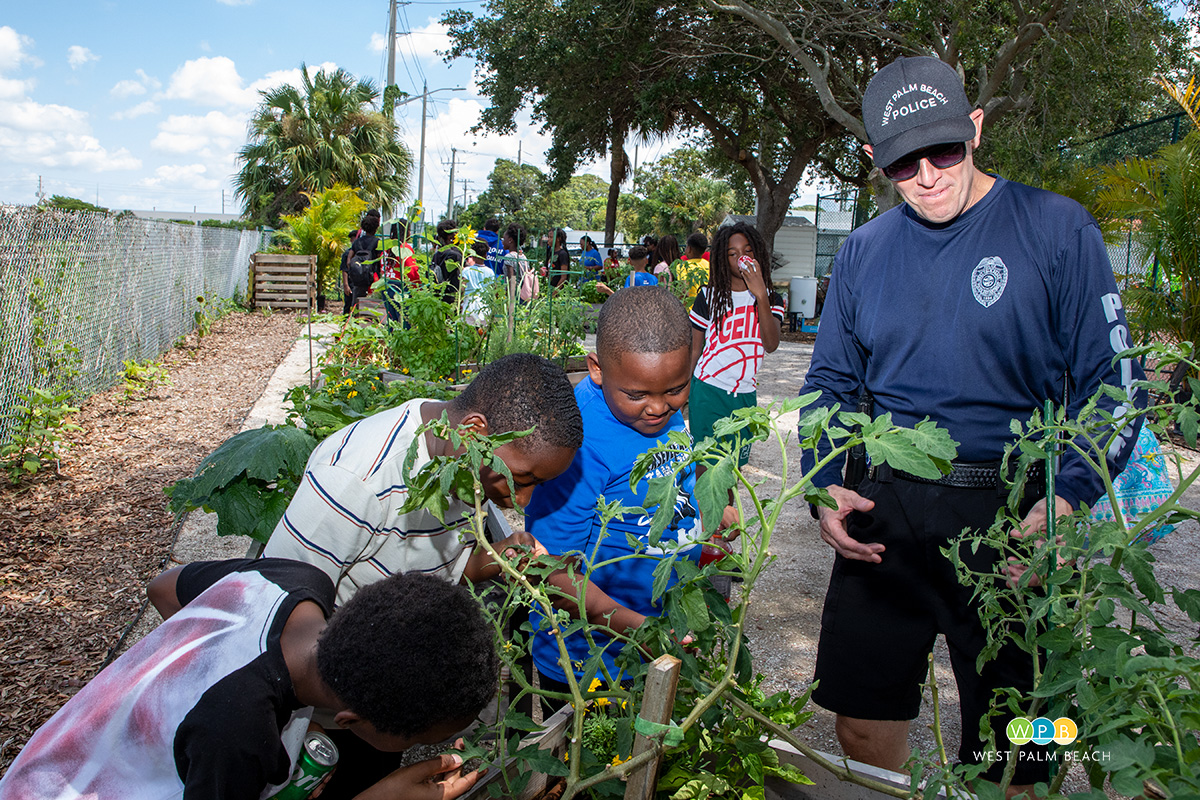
point(802, 297)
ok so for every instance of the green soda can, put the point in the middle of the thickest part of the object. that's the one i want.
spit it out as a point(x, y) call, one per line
point(317, 758)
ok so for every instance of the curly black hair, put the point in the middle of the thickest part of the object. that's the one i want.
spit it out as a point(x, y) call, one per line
point(720, 299)
point(410, 653)
point(523, 391)
point(641, 319)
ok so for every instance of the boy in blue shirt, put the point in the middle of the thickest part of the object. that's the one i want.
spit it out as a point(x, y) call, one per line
point(638, 381)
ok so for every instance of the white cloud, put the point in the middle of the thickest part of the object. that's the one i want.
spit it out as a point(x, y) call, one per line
point(26, 115)
point(14, 50)
point(47, 135)
point(209, 82)
point(205, 47)
point(13, 88)
point(290, 77)
point(378, 43)
point(77, 56)
point(62, 149)
point(190, 176)
point(215, 82)
point(127, 88)
point(140, 110)
point(425, 42)
point(206, 136)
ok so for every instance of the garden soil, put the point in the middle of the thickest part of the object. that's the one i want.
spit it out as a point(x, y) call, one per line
point(78, 549)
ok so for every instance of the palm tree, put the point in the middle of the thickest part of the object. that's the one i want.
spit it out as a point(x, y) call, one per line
point(309, 138)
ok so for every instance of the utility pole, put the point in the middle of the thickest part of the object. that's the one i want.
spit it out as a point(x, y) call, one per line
point(41, 196)
point(222, 201)
point(465, 181)
point(421, 168)
point(518, 153)
point(391, 43)
point(450, 196)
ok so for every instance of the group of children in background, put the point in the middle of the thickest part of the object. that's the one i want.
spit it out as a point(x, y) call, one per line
point(217, 699)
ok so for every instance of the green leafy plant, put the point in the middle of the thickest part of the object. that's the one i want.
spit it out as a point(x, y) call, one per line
point(1103, 655)
point(210, 308)
point(248, 480)
point(714, 743)
point(323, 230)
point(351, 393)
point(140, 378)
point(42, 416)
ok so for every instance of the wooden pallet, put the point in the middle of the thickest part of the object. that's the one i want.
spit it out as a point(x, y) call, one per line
point(283, 281)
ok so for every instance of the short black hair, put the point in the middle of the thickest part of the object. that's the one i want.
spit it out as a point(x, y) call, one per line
point(698, 242)
point(446, 229)
point(479, 248)
point(522, 391)
point(516, 233)
point(370, 222)
point(642, 319)
point(407, 630)
point(638, 252)
point(492, 224)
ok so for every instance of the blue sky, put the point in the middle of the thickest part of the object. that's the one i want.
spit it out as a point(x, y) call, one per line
point(144, 105)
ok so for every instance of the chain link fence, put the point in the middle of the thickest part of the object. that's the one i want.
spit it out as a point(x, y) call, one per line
point(81, 291)
point(1142, 140)
point(836, 216)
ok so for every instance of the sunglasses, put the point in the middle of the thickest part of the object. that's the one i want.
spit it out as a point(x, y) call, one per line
point(941, 156)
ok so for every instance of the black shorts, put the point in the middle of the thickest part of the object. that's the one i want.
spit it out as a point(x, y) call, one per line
point(880, 620)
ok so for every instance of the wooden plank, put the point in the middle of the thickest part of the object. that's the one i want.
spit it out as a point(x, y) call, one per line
point(281, 304)
point(282, 258)
point(290, 298)
point(657, 704)
point(268, 269)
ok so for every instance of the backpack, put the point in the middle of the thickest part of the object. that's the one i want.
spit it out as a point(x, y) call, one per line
point(361, 274)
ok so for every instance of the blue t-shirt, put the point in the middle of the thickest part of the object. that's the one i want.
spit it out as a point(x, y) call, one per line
point(495, 252)
point(640, 279)
point(562, 515)
point(974, 322)
point(590, 263)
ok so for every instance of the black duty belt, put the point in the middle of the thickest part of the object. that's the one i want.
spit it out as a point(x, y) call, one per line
point(963, 475)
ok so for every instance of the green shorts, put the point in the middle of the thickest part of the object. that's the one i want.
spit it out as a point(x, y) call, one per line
point(707, 404)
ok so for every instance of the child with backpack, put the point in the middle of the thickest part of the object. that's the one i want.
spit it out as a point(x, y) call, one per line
point(360, 262)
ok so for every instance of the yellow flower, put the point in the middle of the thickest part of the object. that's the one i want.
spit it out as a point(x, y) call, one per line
point(618, 761)
point(596, 684)
point(352, 394)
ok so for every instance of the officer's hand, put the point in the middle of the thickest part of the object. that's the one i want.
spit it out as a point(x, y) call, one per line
point(438, 778)
point(1033, 524)
point(833, 526)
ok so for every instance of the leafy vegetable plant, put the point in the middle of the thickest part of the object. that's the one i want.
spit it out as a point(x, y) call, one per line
point(714, 743)
point(248, 481)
